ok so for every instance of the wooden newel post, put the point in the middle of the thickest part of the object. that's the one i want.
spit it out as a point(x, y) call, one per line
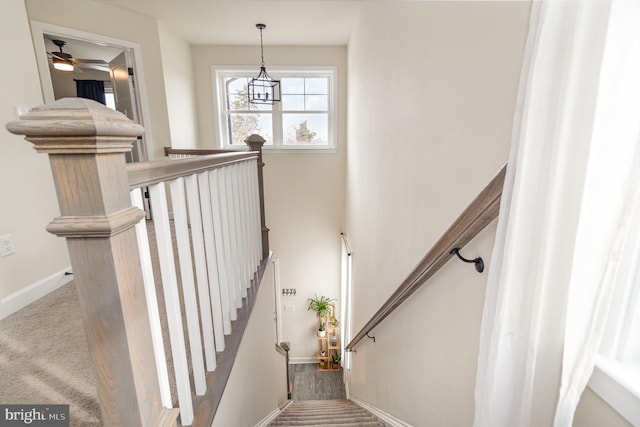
point(255, 143)
point(86, 143)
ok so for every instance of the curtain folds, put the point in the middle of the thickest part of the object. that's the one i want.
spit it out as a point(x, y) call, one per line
point(91, 89)
point(562, 215)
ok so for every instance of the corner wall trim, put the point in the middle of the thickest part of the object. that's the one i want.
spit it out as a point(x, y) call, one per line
point(25, 296)
point(387, 418)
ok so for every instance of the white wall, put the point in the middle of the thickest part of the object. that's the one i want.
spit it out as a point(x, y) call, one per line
point(252, 390)
point(304, 193)
point(102, 19)
point(27, 195)
point(431, 99)
point(592, 411)
point(178, 81)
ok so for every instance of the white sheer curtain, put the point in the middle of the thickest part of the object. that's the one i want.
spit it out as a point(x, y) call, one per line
point(569, 189)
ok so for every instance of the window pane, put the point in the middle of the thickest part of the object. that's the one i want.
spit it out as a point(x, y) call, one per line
point(293, 102)
point(292, 85)
point(243, 125)
point(305, 129)
point(241, 103)
point(235, 85)
point(301, 119)
point(238, 102)
point(317, 103)
point(318, 85)
point(237, 95)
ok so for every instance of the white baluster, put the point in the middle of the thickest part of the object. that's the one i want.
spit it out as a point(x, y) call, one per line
point(233, 233)
point(200, 261)
point(245, 249)
point(221, 223)
point(179, 204)
point(219, 296)
point(152, 302)
point(171, 300)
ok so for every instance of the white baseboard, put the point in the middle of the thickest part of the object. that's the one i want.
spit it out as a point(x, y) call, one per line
point(387, 418)
point(33, 292)
point(272, 416)
point(302, 359)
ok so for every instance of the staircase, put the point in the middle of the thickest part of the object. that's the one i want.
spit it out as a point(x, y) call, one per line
point(336, 413)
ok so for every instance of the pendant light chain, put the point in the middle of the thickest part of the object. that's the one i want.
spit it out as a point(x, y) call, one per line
point(261, 49)
point(262, 89)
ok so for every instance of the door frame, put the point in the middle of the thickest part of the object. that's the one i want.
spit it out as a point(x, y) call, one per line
point(38, 31)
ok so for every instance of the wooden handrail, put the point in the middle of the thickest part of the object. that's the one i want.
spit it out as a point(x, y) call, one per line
point(147, 173)
point(283, 348)
point(193, 151)
point(480, 212)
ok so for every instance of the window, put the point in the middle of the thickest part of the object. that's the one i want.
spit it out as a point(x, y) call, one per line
point(304, 120)
point(109, 95)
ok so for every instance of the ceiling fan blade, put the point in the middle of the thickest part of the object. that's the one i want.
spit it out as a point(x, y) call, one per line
point(89, 61)
point(61, 55)
point(98, 67)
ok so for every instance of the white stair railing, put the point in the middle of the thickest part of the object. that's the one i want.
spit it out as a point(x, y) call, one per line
point(206, 242)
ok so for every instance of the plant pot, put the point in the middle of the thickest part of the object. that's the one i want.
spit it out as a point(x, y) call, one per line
point(321, 334)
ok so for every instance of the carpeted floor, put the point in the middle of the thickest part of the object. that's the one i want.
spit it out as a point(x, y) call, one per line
point(319, 413)
point(36, 366)
point(44, 358)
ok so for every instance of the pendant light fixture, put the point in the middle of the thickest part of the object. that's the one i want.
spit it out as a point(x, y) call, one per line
point(262, 88)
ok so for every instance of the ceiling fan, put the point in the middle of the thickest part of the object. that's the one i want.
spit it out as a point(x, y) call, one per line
point(65, 62)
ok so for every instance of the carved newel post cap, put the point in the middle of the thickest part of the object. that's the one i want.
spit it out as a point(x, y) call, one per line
point(255, 140)
point(76, 125)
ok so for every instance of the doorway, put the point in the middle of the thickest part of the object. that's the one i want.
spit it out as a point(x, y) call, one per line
point(96, 59)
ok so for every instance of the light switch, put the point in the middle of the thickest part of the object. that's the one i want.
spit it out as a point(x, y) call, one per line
point(289, 307)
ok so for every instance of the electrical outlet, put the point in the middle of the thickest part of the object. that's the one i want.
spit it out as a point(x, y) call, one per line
point(6, 245)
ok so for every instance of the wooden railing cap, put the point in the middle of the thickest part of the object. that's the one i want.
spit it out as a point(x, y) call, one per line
point(254, 138)
point(76, 125)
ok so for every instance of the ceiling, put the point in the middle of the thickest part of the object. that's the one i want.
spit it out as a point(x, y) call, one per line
point(232, 22)
point(80, 49)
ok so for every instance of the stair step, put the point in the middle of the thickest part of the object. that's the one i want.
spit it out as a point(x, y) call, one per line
point(327, 417)
point(350, 412)
point(334, 413)
point(300, 416)
point(359, 424)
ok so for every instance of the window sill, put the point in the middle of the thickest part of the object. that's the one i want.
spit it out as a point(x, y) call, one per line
point(618, 384)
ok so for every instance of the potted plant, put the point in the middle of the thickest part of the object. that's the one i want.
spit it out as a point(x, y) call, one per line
point(319, 305)
point(335, 323)
point(336, 358)
point(322, 329)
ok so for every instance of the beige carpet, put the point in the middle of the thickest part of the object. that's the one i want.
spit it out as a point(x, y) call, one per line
point(335, 413)
point(44, 358)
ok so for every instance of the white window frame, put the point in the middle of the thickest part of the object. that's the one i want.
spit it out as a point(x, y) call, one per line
point(218, 73)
